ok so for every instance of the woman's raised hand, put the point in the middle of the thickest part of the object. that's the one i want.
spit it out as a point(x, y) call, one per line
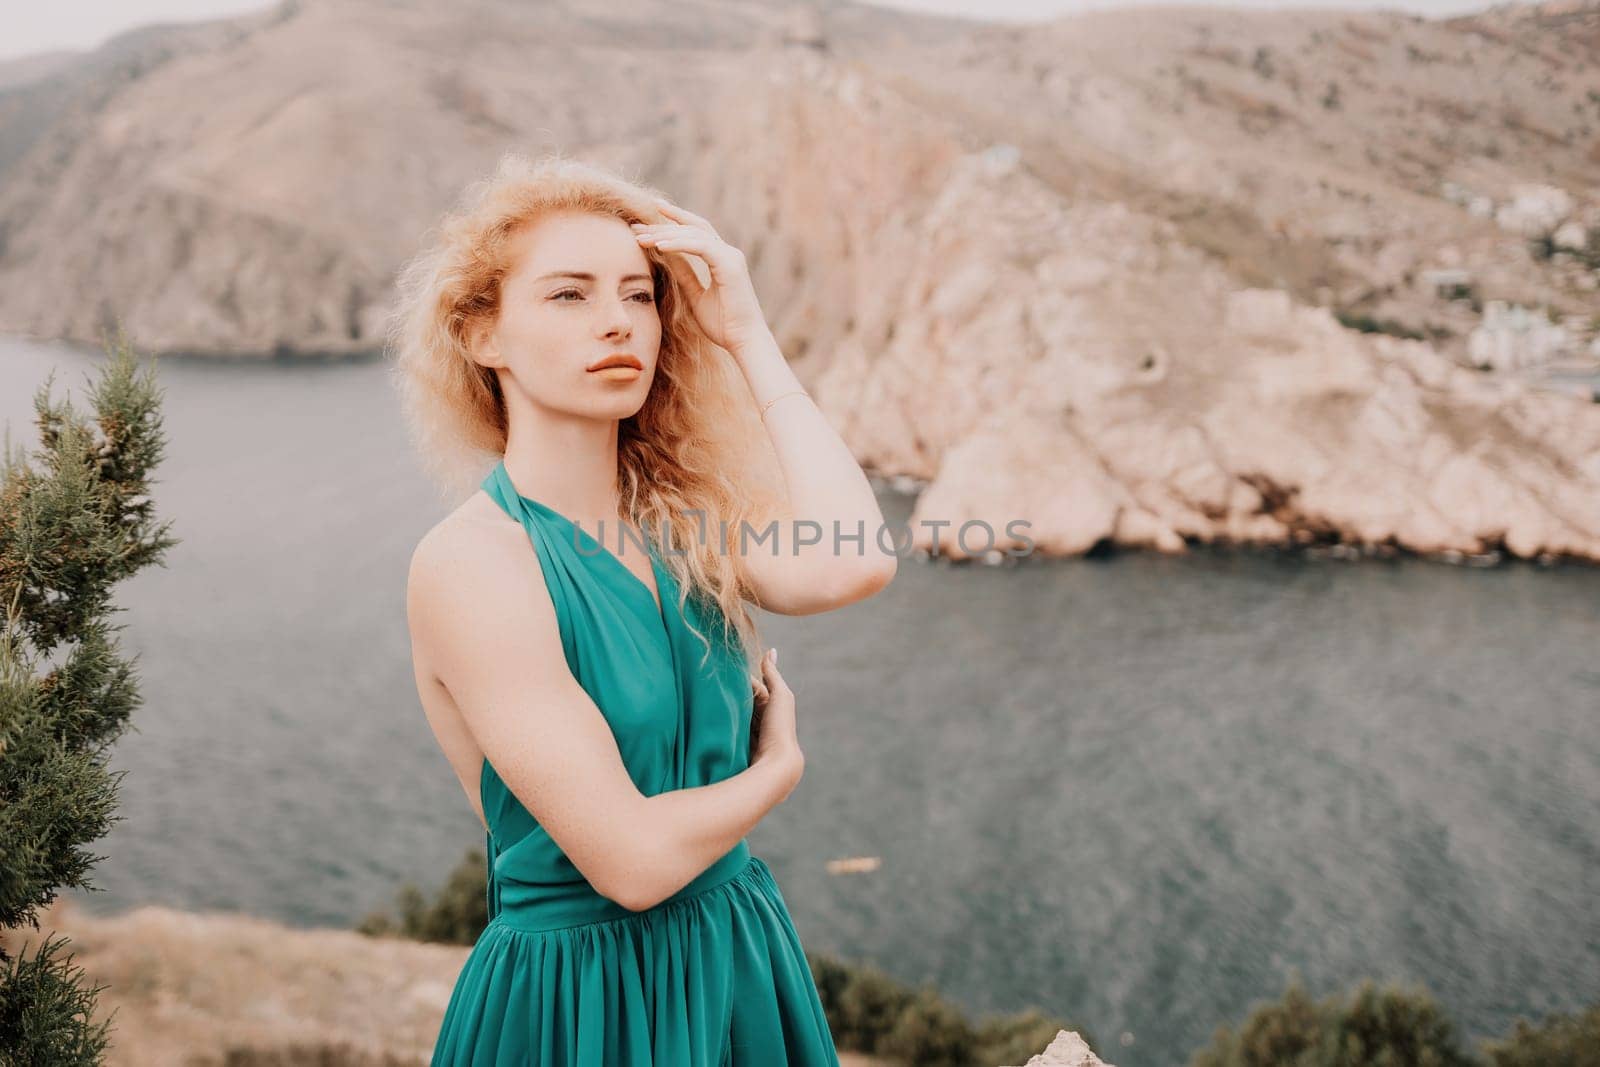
point(727, 309)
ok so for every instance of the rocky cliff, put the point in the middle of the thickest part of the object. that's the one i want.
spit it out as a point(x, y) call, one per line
point(1149, 277)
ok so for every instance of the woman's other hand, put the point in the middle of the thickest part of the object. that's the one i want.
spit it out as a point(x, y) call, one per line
point(773, 728)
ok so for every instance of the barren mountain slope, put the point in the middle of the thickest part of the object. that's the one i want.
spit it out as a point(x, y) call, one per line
point(1090, 273)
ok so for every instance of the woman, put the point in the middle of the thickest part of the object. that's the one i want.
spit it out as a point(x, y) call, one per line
point(595, 695)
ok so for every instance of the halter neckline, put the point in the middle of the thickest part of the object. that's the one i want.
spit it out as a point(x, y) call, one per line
point(656, 596)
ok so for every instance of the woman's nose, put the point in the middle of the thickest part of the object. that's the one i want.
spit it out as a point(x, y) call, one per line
point(617, 317)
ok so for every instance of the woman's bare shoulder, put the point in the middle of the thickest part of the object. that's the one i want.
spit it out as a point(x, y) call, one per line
point(475, 533)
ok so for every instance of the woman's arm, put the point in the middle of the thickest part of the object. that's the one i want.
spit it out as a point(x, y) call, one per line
point(827, 492)
point(480, 613)
point(684, 831)
point(825, 486)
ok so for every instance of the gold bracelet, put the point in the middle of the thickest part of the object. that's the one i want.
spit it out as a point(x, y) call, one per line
point(780, 396)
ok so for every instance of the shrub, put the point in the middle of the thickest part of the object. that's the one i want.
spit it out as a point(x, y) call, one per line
point(869, 1005)
point(830, 977)
point(929, 1031)
point(75, 519)
point(456, 916)
point(1560, 1041)
point(1387, 1026)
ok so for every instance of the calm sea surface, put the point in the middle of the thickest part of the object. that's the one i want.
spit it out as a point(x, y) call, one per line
point(1133, 791)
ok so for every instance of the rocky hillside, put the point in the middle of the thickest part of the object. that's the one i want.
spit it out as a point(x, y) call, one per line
point(1151, 277)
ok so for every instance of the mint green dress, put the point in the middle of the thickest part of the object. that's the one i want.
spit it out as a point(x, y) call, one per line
point(564, 977)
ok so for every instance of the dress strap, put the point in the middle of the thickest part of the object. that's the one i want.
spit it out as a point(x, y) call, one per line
point(497, 483)
point(559, 573)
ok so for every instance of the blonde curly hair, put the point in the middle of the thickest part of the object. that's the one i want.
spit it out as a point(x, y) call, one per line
point(695, 448)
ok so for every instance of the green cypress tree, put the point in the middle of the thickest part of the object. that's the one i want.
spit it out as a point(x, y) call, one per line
point(75, 519)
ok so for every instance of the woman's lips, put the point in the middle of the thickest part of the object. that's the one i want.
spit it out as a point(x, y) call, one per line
point(618, 367)
point(616, 359)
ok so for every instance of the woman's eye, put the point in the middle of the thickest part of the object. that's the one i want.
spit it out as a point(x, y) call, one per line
point(642, 297)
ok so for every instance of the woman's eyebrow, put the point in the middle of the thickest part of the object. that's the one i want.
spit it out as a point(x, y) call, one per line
point(586, 276)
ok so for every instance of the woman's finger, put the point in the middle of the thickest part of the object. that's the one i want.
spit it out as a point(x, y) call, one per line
point(676, 260)
point(655, 231)
point(707, 246)
point(683, 214)
point(769, 671)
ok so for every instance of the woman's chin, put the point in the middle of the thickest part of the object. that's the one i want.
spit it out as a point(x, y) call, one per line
point(620, 405)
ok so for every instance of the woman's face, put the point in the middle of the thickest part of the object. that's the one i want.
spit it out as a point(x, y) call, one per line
point(579, 291)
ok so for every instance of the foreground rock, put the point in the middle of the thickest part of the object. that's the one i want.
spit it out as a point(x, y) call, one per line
point(1067, 1050)
point(208, 990)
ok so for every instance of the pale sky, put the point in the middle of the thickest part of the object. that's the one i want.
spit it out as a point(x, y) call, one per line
point(85, 24)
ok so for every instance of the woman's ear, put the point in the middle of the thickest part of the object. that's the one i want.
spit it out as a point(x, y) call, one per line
point(481, 345)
